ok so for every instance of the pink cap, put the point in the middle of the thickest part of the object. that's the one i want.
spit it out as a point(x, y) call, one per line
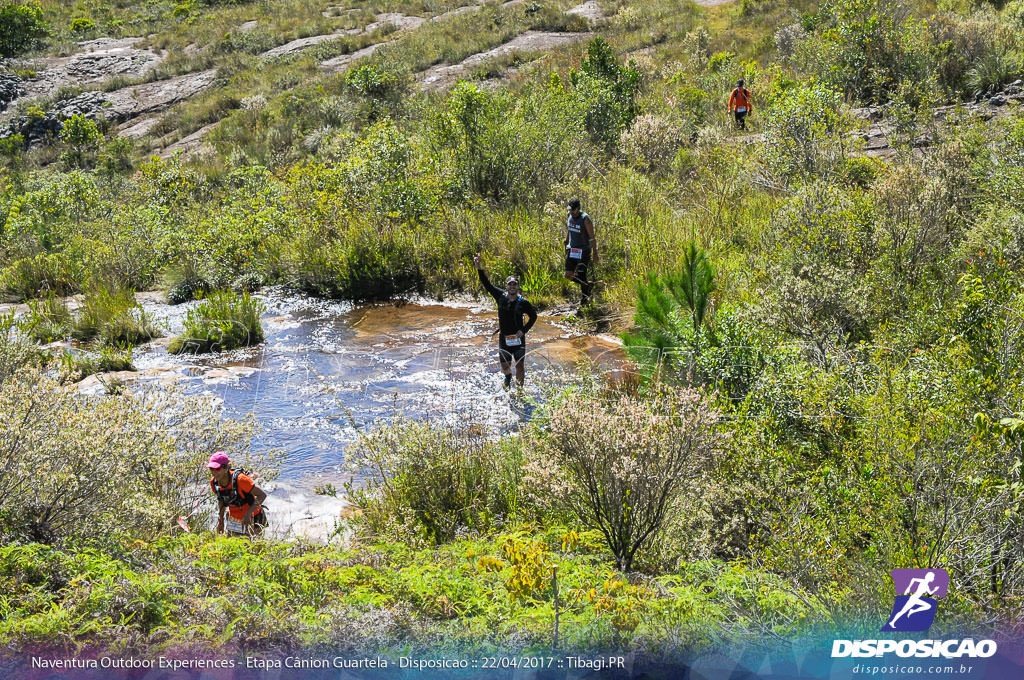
point(218, 460)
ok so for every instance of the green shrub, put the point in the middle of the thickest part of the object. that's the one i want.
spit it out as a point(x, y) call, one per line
point(81, 446)
point(78, 367)
point(81, 25)
point(115, 318)
point(43, 273)
point(22, 26)
point(514, 149)
point(115, 157)
point(666, 305)
point(805, 132)
point(82, 137)
point(432, 483)
point(620, 462)
point(994, 69)
point(223, 321)
point(16, 353)
point(651, 143)
point(609, 93)
point(183, 284)
point(12, 151)
point(48, 319)
point(865, 48)
point(381, 87)
point(861, 171)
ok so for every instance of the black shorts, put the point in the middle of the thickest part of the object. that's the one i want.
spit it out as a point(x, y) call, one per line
point(506, 353)
point(577, 267)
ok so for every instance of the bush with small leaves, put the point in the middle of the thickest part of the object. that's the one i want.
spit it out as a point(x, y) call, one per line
point(628, 458)
point(22, 26)
point(651, 142)
point(805, 132)
point(81, 446)
point(82, 137)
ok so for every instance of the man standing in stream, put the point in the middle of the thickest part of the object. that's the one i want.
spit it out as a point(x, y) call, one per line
point(580, 249)
point(511, 329)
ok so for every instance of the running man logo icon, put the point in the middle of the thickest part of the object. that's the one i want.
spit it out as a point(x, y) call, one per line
point(915, 609)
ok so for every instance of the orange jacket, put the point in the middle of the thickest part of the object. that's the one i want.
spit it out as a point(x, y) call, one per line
point(245, 486)
point(740, 97)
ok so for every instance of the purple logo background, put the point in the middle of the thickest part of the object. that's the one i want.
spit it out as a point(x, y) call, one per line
point(903, 577)
point(916, 602)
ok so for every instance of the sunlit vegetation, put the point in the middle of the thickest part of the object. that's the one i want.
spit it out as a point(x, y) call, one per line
point(827, 344)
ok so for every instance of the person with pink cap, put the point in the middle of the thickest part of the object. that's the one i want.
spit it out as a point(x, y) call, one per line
point(238, 494)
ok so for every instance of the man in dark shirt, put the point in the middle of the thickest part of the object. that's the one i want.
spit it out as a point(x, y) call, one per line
point(580, 249)
point(511, 329)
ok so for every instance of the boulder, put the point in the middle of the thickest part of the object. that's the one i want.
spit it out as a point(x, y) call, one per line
point(10, 89)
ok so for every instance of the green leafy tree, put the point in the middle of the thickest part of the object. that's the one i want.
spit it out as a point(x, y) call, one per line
point(805, 132)
point(22, 26)
point(865, 48)
point(82, 137)
point(609, 93)
point(382, 89)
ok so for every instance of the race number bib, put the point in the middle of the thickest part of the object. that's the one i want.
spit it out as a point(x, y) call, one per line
point(576, 253)
point(741, 109)
point(233, 525)
point(513, 341)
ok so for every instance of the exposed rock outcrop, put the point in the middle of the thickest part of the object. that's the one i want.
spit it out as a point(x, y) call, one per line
point(878, 135)
point(443, 76)
point(116, 106)
point(400, 21)
point(98, 61)
point(11, 88)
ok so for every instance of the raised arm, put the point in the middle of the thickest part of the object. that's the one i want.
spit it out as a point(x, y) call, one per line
point(494, 291)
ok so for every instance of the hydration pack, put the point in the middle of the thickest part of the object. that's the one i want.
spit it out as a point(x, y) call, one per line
point(231, 495)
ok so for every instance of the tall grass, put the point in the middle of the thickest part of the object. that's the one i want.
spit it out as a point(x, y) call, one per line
point(221, 322)
point(113, 317)
point(48, 319)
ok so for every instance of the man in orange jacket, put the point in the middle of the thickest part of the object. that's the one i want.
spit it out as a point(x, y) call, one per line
point(739, 102)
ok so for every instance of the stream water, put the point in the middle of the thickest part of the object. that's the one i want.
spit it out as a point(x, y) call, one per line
point(328, 368)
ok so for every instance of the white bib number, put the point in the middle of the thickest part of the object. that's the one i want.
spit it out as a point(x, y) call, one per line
point(513, 341)
point(233, 525)
point(576, 253)
point(741, 109)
